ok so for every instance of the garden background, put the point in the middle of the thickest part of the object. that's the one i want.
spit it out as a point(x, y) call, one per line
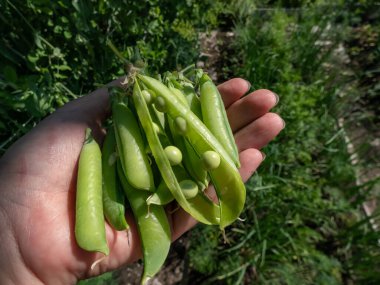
point(310, 215)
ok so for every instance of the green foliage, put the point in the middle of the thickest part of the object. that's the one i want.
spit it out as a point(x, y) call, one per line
point(52, 52)
point(105, 279)
point(302, 221)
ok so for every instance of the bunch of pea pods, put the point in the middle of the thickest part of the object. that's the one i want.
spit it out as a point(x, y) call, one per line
point(169, 139)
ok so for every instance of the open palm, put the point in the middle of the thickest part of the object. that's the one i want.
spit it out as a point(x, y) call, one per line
point(38, 185)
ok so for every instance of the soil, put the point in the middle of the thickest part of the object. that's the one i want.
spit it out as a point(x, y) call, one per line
point(173, 271)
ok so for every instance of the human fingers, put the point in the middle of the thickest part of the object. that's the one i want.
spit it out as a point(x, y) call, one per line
point(249, 108)
point(259, 132)
point(233, 89)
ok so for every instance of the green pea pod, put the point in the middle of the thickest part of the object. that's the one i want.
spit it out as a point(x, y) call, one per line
point(200, 207)
point(131, 149)
point(154, 229)
point(226, 179)
point(193, 100)
point(90, 232)
point(215, 117)
point(162, 196)
point(160, 116)
point(113, 197)
point(191, 161)
point(185, 90)
point(181, 97)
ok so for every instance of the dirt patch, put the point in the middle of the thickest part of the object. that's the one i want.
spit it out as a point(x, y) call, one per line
point(215, 49)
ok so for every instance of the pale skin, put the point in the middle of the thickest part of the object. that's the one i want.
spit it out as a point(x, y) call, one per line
point(38, 185)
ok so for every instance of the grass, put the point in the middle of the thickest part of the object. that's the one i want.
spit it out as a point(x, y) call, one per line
point(303, 221)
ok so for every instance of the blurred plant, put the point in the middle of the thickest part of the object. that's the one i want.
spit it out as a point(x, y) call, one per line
point(303, 221)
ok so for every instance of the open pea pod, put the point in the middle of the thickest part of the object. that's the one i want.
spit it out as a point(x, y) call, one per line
point(153, 228)
point(162, 196)
point(193, 100)
point(200, 207)
point(191, 160)
point(180, 96)
point(188, 91)
point(226, 179)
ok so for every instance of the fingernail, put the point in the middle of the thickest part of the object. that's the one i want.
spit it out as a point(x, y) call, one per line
point(248, 84)
point(277, 98)
point(283, 123)
point(263, 155)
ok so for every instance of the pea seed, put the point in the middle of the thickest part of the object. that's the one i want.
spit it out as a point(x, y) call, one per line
point(160, 104)
point(210, 160)
point(180, 125)
point(156, 128)
point(147, 96)
point(173, 154)
point(189, 188)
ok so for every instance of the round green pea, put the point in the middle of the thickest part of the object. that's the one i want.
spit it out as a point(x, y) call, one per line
point(147, 96)
point(189, 188)
point(160, 104)
point(156, 128)
point(210, 160)
point(173, 154)
point(180, 125)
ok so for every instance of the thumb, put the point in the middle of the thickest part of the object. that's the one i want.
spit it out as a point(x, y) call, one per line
point(94, 107)
point(87, 111)
point(63, 130)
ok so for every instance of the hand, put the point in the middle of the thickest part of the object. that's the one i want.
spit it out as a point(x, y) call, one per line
point(38, 185)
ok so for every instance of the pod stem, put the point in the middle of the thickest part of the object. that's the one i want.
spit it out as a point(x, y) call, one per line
point(204, 78)
point(188, 69)
point(116, 52)
point(96, 262)
point(225, 239)
point(131, 67)
point(145, 280)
